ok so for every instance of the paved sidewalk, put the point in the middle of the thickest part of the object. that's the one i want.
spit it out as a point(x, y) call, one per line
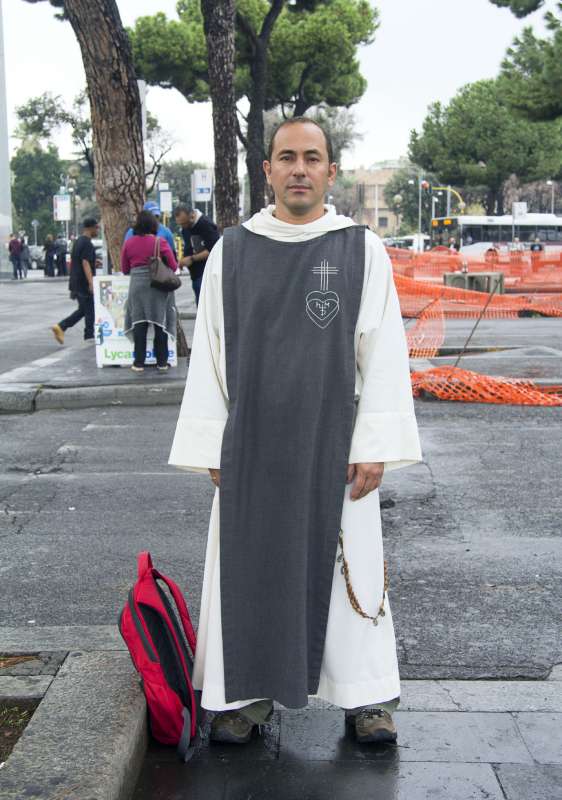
point(458, 740)
point(67, 377)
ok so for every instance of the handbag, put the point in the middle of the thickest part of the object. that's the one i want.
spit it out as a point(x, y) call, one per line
point(161, 276)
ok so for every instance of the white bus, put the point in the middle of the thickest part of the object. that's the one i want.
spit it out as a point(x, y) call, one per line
point(499, 231)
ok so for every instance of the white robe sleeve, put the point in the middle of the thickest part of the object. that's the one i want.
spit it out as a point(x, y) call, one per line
point(385, 426)
point(204, 409)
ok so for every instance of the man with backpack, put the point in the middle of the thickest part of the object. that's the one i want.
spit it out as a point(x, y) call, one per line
point(298, 398)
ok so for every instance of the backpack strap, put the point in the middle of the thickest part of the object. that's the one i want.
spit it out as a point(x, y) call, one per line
point(182, 608)
point(185, 752)
point(144, 564)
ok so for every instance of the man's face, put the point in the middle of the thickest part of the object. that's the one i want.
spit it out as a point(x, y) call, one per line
point(299, 170)
point(185, 219)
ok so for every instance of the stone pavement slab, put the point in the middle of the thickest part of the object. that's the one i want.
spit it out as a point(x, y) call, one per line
point(522, 782)
point(542, 734)
point(26, 688)
point(313, 735)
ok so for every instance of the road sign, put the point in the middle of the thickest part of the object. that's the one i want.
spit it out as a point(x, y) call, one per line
point(519, 210)
point(202, 185)
point(35, 223)
point(62, 207)
point(165, 201)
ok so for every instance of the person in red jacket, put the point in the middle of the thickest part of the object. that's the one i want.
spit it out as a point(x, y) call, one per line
point(145, 304)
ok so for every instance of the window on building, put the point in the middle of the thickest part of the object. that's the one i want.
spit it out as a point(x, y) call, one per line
point(383, 222)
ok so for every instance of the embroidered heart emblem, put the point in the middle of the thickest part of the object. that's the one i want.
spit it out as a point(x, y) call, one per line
point(322, 307)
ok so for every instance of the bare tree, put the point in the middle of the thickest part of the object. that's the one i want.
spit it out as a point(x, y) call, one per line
point(219, 23)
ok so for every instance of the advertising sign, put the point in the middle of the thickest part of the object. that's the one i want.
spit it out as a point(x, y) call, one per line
point(62, 207)
point(202, 185)
point(113, 348)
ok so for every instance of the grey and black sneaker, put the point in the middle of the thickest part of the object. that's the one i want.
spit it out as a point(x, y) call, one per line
point(231, 727)
point(373, 725)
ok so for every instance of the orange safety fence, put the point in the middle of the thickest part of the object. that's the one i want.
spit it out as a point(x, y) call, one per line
point(523, 272)
point(453, 383)
point(424, 297)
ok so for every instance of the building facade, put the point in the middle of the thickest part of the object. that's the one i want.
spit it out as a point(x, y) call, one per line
point(370, 206)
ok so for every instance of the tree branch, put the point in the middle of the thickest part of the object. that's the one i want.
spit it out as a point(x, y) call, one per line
point(270, 19)
point(240, 135)
point(246, 28)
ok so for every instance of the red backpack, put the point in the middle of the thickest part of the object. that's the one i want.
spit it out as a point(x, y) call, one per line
point(161, 656)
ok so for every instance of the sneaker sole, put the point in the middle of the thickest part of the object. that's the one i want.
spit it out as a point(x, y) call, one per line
point(379, 737)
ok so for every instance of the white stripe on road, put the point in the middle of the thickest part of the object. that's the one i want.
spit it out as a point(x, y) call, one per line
point(15, 375)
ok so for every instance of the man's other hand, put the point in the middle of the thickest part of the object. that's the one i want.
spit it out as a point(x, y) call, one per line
point(215, 476)
point(367, 478)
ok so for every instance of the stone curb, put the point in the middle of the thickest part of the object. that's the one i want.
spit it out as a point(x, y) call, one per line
point(88, 737)
point(26, 398)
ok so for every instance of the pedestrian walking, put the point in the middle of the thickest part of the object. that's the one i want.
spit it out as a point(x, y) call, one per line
point(200, 235)
point(145, 304)
point(14, 249)
point(298, 398)
point(25, 257)
point(81, 283)
point(50, 252)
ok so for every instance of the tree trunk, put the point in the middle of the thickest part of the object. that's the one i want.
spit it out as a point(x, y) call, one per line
point(255, 150)
point(116, 115)
point(219, 17)
point(491, 201)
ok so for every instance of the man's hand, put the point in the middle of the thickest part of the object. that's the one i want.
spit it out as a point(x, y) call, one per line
point(186, 261)
point(215, 476)
point(367, 478)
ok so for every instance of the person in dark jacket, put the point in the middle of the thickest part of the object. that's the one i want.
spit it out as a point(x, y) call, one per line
point(14, 248)
point(60, 255)
point(81, 284)
point(200, 234)
point(50, 249)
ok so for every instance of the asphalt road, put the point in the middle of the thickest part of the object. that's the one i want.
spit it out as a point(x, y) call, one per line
point(472, 540)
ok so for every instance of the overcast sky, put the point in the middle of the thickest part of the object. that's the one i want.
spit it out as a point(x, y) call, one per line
point(424, 50)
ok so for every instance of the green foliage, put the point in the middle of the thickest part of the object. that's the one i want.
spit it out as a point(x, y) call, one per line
point(172, 53)
point(521, 8)
point(531, 74)
point(313, 56)
point(478, 140)
point(36, 178)
point(55, 3)
point(312, 53)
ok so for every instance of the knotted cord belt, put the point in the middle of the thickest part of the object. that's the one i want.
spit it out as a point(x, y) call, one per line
point(351, 594)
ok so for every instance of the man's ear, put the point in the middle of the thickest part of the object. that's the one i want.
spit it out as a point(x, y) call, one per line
point(267, 170)
point(332, 172)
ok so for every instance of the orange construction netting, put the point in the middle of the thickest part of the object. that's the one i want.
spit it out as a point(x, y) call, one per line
point(534, 284)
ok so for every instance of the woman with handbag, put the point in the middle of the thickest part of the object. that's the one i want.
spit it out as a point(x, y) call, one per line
point(151, 263)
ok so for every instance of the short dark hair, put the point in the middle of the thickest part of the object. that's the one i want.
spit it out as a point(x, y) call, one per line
point(90, 222)
point(183, 207)
point(301, 121)
point(145, 223)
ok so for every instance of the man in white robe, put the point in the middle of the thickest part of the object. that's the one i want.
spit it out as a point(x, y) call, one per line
point(359, 670)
